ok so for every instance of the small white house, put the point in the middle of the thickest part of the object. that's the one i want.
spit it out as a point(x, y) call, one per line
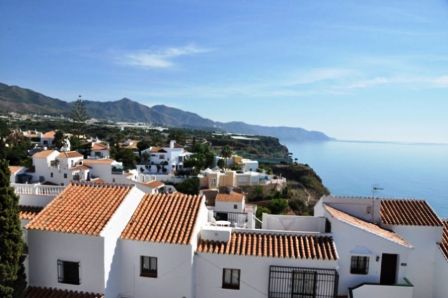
point(164, 160)
point(99, 150)
point(47, 139)
point(158, 246)
point(72, 242)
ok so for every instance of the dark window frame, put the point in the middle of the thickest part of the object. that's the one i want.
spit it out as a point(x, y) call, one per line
point(231, 285)
point(148, 272)
point(65, 278)
point(359, 265)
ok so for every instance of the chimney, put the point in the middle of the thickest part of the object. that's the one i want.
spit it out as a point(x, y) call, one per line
point(172, 143)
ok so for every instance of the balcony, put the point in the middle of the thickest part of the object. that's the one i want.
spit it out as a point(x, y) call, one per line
point(405, 289)
point(237, 219)
point(37, 189)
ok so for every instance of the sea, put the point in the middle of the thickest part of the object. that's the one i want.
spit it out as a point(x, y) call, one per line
point(392, 170)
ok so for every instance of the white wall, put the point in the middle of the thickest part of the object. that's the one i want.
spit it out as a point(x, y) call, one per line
point(375, 291)
point(229, 206)
point(254, 279)
point(440, 282)
point(175, 267)
point(111, 234)
point(351, 241)
point(45, 248)
point(361, 207)
point(293, 223)
point(422, 258)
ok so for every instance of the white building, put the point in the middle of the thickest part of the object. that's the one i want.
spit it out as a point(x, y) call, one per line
point(116, 241)
point(47, 139)
point(99, 150)
point(219, 178)
point(164, 160)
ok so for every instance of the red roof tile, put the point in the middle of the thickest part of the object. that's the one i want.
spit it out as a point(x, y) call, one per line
point(35, 292)
point(70, 154)
point(81, 209)
point(168, 218)
point(231, 197)
point(49, 134)
point(88, 162)
point(444, 242)
point(43, 154)
point(155, 184)
point(408, 213)
point(99, 147)
point(29, 212)
point(273, 245)
point(14, 169)
point(366, 226)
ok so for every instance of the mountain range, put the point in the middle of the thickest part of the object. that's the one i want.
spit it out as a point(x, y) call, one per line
point(21, 100)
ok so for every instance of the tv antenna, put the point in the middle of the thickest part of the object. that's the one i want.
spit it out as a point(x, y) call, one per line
point(375, 189)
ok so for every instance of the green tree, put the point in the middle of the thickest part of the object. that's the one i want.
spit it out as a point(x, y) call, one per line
point(142, 145)
point(79, 112)
point(12, 247)
point(226, 152)
point(79, 116)
point(261, 210)
point(58, 139)
point(277, 206)
point(189, 186)
point(221, 163)
point(127, 157)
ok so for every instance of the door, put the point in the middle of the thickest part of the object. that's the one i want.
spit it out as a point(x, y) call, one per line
point(389, 269)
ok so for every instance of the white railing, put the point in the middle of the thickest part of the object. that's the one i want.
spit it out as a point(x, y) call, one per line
point(37, 189)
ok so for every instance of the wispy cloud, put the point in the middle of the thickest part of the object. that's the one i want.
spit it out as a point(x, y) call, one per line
point(161, 58)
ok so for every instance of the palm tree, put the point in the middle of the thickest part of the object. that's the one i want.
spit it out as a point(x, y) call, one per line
point(226, 152)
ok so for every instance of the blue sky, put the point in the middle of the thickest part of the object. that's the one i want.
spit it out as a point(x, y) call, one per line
point(365, 70)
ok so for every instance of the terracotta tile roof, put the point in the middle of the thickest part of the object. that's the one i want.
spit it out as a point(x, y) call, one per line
point(29, 212)
point(154, 149)
point(81, 209)
point(43, 154)
point(97, 161)
point(366, 226)
point(273, 245)
point(97, 181)
point(408, 213)
point(14, 169)
point(99, 147)
point(168, 218)
point(154, 184)
point(35, 292)
point(80, 168)
point(49, 134)
point(231, 197)
point(70, 154)
point(444, 242)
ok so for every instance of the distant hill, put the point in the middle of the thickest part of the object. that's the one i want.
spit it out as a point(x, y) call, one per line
point(20, 100)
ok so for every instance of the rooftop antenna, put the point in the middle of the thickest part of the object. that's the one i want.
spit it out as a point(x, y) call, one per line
point(375, 189)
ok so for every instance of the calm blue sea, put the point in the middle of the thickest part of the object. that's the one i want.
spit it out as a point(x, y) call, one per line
point(402, 170)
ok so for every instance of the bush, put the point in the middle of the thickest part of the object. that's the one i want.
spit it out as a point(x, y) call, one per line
point(261, 210)
point(277, 206)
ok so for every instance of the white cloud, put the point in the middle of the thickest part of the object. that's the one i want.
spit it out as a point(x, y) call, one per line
point(160, 58)
point(321, 74)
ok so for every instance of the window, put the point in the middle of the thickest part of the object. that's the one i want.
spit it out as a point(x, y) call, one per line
point(235, 206)
point(303, 284)
point(65, 175)
point(148, 266)
point(231, 279)
point(359, 265)
point(51, 174)
point(68, 272)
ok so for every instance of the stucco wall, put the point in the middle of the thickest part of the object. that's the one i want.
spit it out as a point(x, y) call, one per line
point(440, 282)
point(375, 291)
point(351, 241)
point(174, 263)
point(111, 234)
point(254, 273)
point(293, 223)
point(422, 258)
point(46, 248)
